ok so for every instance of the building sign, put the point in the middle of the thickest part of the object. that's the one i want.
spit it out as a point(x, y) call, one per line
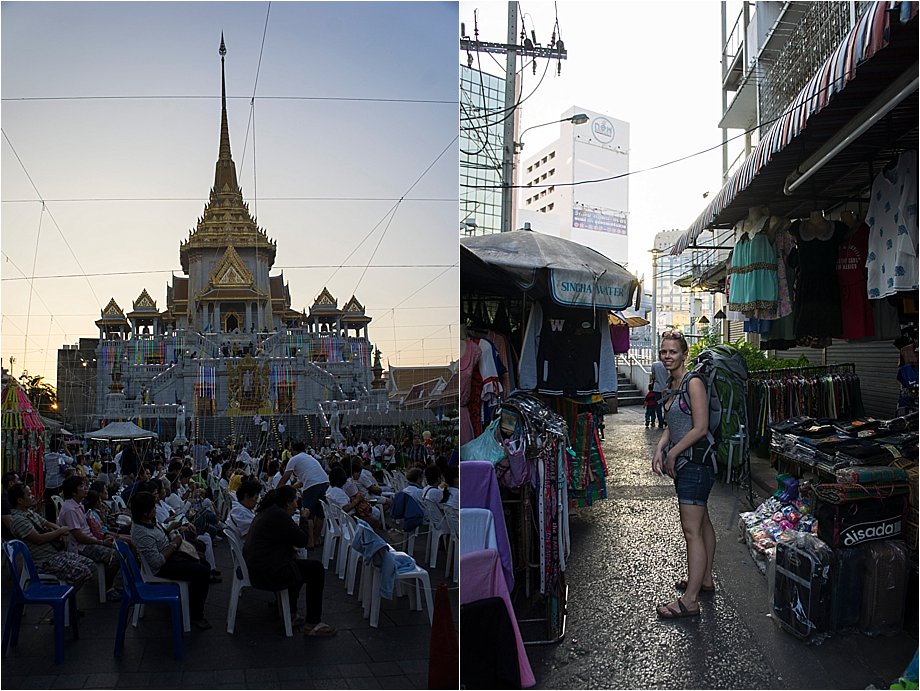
point(569, 287)
point(605, 221)
point(603, 130)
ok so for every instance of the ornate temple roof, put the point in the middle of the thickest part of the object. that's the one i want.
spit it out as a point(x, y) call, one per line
point(112, 314)
point(144, 306)
point(325, 305)
point(354, 312)
point(226, 219)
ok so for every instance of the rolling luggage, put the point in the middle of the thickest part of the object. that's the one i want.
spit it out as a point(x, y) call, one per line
point(885, 587)
point(802, 591)
point(847, 588)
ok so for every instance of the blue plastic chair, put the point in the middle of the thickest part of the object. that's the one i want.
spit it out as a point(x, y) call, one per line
point(137, 592)
point(36, 593)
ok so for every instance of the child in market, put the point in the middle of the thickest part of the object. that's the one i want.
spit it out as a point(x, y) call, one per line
point(651, 402)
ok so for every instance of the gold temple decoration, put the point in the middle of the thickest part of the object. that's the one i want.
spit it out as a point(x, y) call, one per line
point(247, 384)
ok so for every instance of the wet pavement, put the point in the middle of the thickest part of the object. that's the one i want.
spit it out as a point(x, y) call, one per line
point(628, 551)
point(256, 656)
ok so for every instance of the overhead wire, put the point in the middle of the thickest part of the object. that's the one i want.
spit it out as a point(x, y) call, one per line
point(356, 99)
point(576, 183)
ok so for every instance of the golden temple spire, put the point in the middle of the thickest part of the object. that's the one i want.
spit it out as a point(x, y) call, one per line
point(226, 170)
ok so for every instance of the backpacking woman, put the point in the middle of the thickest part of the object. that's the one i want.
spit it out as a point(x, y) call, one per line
point(686, 409)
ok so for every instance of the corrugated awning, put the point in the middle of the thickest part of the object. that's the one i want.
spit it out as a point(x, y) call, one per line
point(871, 34)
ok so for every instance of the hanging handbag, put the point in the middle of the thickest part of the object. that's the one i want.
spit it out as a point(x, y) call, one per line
point(485, 447)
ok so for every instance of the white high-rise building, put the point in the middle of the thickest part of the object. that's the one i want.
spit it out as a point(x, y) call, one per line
point(595, 214)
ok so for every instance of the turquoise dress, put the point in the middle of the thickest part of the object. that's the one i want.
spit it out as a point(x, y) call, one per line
point(753, 284)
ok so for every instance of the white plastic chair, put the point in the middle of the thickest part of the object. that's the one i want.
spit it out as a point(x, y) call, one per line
point(58, 502)
point(333, 533)
point(150, 577)
point(371, 592)
point(437, 528)
point(452, 518)
point(241, 580)
point(118, 503)
point(349, 527)
point(400, 482)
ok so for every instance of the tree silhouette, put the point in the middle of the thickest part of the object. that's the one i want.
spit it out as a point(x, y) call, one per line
point(42, 394)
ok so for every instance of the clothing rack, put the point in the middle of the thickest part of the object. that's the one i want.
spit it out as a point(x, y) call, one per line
point(817, 391)
point(807, 371)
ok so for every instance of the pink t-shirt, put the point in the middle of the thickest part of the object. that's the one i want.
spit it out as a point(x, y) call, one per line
point(73, 516)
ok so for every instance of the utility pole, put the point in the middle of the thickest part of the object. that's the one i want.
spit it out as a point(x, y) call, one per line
point(511, 118)
point(654, 252)
point(528, 47)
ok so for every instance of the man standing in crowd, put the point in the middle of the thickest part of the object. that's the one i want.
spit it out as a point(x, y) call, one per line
point(312, 480)
point(659, 382)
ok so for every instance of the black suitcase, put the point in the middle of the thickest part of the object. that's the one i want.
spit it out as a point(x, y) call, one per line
point(802, 590)
point(847, 588)
point(885, 587)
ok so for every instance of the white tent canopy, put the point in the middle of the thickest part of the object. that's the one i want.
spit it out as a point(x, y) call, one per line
point(120, 431)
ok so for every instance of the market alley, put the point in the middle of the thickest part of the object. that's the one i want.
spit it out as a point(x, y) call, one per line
point(628, 551)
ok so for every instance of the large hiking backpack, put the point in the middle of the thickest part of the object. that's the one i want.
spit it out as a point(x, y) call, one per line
point(724, 373)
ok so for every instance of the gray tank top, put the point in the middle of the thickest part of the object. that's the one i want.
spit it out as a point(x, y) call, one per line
point(680, 420)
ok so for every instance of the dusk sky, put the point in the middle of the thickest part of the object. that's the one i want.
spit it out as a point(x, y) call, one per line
point(111, 114)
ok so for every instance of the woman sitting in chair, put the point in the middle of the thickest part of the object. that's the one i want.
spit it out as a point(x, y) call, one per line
point(269, 554)
point(46, 541)
point(164, 557)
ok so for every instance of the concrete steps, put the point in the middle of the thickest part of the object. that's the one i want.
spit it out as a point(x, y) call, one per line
point(627, 393)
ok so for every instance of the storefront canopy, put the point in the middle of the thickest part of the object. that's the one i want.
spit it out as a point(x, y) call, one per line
point(121, 431)
point(878, 53)
point(570, 273)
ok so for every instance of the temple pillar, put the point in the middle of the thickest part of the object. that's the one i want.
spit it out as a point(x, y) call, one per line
point(217, 324)
point(248, 316)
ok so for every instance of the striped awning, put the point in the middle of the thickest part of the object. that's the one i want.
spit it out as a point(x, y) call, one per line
point(870, 35)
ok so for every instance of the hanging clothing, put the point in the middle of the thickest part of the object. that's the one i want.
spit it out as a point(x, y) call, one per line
point(469, 362)
point(619, 336)
point(852, 277)
point(817, 300)
point(753, 275)
point(565, 352)
point(503, 353)
point(784, 244)
point(892, 219)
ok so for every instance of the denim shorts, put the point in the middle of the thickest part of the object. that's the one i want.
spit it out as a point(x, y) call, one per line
point(693, 483)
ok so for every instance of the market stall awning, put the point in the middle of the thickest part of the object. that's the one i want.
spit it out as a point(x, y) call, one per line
point(541, 265)
point(879, 51)
point(632, 321)
point(121, 431)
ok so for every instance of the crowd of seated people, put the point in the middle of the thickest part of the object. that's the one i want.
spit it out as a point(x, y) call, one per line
point(173, 519)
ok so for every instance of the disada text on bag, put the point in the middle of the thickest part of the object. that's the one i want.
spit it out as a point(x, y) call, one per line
point(874, 530)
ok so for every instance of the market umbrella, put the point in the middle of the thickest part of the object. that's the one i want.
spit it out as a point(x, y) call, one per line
point(121, 431)
point(570, 273)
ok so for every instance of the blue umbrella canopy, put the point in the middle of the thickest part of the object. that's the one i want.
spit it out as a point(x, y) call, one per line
point(570, 273)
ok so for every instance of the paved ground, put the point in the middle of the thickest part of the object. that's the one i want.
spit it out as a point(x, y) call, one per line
point(257, 656)
point(628, 551)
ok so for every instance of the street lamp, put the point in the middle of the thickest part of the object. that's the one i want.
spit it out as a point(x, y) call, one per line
point(577, 119)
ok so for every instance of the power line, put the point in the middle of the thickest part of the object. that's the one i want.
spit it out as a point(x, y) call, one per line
point(377, 225)
point(50, 215)
point(452, 200)
point(346, 99)
point(576, 183)
point(289, 268)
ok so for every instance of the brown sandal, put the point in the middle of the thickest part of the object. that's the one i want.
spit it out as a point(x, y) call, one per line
point(682, 585)
point(665, 611)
